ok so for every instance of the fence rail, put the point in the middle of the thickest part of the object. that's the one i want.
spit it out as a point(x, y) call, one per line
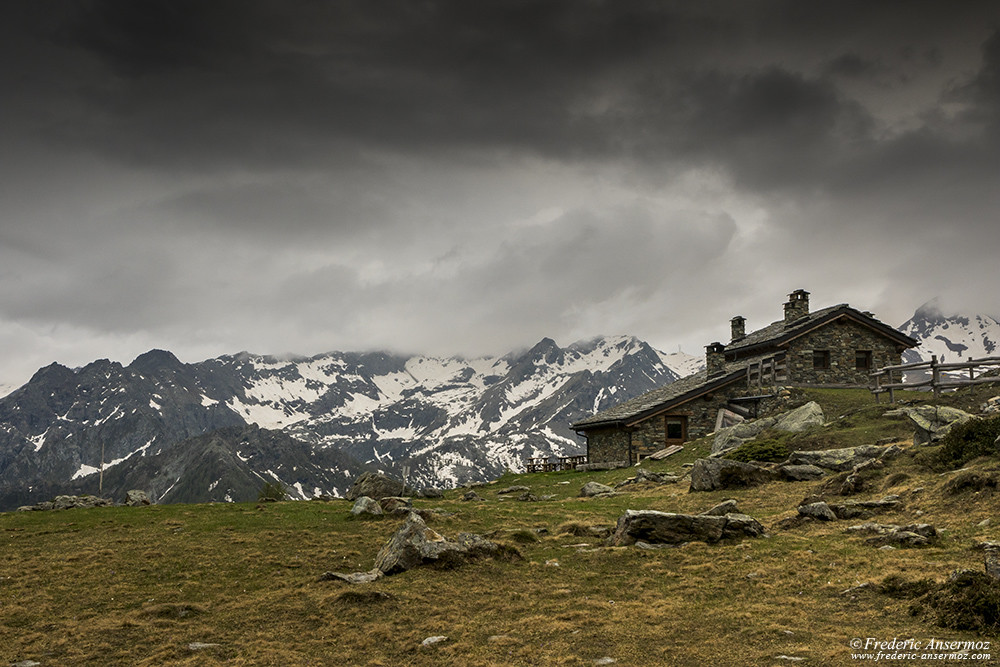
point(943, 376)
point(544, 464)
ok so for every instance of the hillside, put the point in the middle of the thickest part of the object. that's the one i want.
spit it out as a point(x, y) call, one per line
point(239, 583)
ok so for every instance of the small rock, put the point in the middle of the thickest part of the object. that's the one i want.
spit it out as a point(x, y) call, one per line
point(983, 524)
point(431, 493)
point(605, 661)
point(513, 489)
point(430, 641)
point(25, 663)
point(200, 646)
point(472, 496)
point(352, 578)
point(528, 498)
point(722, 509)
point(552, 563)
point(366, 505)
point(591, 489)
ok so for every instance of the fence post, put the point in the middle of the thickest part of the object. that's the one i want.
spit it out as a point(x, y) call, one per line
point(892, 392)
point(935, 376)
point(972, 370)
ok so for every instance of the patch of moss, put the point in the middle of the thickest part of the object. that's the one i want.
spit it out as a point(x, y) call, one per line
point(969, 440)
point(760, 450)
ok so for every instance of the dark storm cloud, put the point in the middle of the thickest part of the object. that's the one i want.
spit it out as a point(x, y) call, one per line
point(467, 176)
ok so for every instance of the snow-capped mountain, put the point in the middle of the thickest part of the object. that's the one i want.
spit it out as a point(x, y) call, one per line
point(447, 420)
point(953, 338)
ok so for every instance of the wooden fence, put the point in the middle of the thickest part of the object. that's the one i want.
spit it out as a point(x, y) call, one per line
point(544, 464)
point(942, 376)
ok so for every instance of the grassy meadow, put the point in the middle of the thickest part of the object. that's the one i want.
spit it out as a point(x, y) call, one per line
point(239, 584)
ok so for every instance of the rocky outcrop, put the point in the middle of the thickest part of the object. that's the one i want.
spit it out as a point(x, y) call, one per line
point(931, 422)
point(912, 535)
point(842, 459)
point(647, 476)
point(794, 421)
point(68, 503)
point(414, 544)
point(653, 527)
point(800, 472)
point(716, 474)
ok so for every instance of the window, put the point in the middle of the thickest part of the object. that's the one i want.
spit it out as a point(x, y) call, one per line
point(863, 360)
point(821, 359)
point(675, 429)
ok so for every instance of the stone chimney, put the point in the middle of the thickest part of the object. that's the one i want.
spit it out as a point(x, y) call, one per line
point(739, 324)
point(715, 359)
point(797, 306)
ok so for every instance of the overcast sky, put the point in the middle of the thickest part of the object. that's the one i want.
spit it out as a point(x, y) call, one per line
point(297, 176)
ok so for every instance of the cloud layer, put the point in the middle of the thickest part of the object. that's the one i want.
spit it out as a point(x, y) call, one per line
point(469, 177)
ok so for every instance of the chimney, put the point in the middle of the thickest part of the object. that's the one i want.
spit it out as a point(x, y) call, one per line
point(797, 306)
point(715, 359)
point(739, 325)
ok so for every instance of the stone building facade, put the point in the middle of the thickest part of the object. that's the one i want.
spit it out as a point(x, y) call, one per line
point(834, 347)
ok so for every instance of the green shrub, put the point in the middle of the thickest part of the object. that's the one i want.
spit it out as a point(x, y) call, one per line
point(760, 450)
point(272, 492)
point(969, 440)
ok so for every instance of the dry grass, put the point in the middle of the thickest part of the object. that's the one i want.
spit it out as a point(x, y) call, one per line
point(142, 586)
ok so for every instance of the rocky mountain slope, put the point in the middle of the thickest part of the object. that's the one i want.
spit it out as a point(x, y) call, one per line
point(953, 338)
point(179, 430)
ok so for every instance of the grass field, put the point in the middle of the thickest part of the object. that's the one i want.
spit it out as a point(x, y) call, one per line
point(239, 584)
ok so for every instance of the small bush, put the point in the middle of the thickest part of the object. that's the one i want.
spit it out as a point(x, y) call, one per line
point(969, 440)
point(968, 601)
point(272, 492)
point(760, 450)
point(970, 480)
point(896, 587)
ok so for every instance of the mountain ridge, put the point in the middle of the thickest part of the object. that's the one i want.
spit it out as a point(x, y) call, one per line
point(449, 420)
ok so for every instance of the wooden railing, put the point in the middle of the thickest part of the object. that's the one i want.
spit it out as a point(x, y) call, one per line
point(942, 376)
point(767, 371)
point(545, 464)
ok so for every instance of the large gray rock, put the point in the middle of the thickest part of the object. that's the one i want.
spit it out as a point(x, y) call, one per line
point(653, 527)
point(715, 474)
point(365, 505)
point(794, 421)
point(932, 422)
point(414, 544)
point(819, 510)
point(591, 489)
point(841, 459)
point(375, 486)
point(135, 498)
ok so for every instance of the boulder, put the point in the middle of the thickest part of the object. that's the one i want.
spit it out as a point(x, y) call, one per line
point(841, 460)
point(725, 507)
point(135, 498)
point(472, 496)
point(431, 493)
point(376, 485)
point(653, 527)
point(591, 489)
point(715, 474)
point(390, 504)
point(412, 545)
point(819, 510)
point(932, 422)
point(366, 505)
point(801, 418)
point(794, 421)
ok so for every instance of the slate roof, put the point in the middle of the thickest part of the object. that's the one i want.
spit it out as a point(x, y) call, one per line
point(676, 392)
point(752, 347)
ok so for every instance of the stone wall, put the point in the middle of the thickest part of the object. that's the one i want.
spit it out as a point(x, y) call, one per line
point(842, 339)
point(606, 445)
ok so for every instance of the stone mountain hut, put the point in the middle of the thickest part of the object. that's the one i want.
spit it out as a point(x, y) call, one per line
point(833, 347)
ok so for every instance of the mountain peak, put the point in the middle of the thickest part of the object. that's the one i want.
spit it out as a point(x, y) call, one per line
point(155, 360)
